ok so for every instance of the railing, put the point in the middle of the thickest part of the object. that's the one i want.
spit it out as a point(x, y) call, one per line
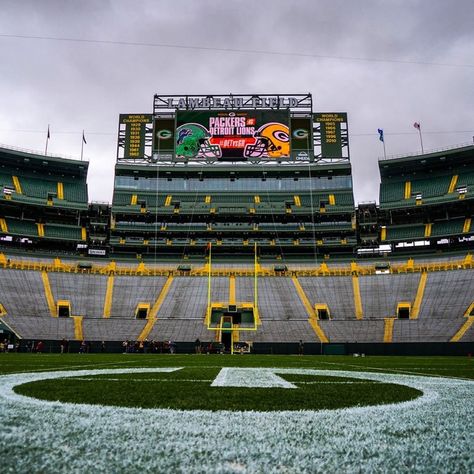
point(40, 153)
point(426, 152)
point(321, 271)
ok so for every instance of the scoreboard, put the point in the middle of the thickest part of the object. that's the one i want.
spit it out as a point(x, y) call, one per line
point(225, 129)
point(232, 135)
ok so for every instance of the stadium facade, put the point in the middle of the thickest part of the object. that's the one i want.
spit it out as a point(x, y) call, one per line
point(233, 220)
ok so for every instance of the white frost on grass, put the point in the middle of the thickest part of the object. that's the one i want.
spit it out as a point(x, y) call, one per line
point(433, 433)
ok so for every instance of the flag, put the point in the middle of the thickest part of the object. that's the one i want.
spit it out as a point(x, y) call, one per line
point(380, 130)
point(49, 135)
point(417, 125)
point(83, 138)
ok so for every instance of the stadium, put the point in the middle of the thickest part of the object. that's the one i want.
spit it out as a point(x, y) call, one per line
point(233, 230)
point(248, 239)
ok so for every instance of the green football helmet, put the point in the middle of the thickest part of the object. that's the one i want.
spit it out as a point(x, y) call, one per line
point(192, 141)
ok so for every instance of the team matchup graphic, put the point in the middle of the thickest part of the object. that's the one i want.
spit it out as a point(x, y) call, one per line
point(233, 135)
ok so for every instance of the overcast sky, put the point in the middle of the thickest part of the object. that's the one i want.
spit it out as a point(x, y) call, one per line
point(386, 63)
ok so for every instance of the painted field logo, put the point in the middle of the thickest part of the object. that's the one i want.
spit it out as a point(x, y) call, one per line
point(213, 388)
point(250, 378)
point(431, 433)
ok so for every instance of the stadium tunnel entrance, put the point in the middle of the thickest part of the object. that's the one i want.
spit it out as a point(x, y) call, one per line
point(228, 321)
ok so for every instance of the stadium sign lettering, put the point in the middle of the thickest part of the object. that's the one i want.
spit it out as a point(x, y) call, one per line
point(193, 103)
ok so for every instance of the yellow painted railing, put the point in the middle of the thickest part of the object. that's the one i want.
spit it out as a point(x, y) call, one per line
point(108, 296)
point(40, 229)
point(467, 225)
point(232, 289)
point(419, 296)
point(147, 329)
point(161, 297)
point(16, 183)
point(3, 225)
point(318, 330)
point(388, 329)
point(453, 183)
point(428, 228)
point(49, 294)
point(310, 311)
point(78, 333)
point(359, 312)
point(145, 270)
point(154, 310)
point(463, 329)
point(407, 189)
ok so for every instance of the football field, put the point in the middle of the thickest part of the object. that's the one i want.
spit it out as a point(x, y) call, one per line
point(242, 413)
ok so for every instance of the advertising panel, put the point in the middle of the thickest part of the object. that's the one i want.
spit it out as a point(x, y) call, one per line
point(163, 135)
point(232, 135)
point(301, 138)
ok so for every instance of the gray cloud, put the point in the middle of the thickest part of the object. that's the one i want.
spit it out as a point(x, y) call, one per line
point(75, 86)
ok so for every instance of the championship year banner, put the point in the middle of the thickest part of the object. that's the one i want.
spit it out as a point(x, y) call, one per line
point(135, 126)
point(232, 135)
point(331, 138)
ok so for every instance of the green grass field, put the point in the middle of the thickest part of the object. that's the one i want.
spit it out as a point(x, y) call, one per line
point(190, 387)
point(215, 413)
point(462, 367)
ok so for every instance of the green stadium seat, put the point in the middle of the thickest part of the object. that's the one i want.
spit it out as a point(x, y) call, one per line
point(20, 227)
point(392, 191)
point(62, 232)
point(433, 186)
point(452, 227)
point(38, 187)
point(405, 232)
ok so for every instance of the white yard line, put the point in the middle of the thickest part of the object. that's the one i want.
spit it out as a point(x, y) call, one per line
point(83, 366)
point(108, 379)
point(396, 371)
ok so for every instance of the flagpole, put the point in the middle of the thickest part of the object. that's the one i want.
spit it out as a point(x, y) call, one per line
point(421, 138)
point(417, 125)
point(384, 151)
point(47, 139)
point(82, 145)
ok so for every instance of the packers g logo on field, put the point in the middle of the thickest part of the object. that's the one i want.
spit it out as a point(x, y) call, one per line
point(214, 388)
